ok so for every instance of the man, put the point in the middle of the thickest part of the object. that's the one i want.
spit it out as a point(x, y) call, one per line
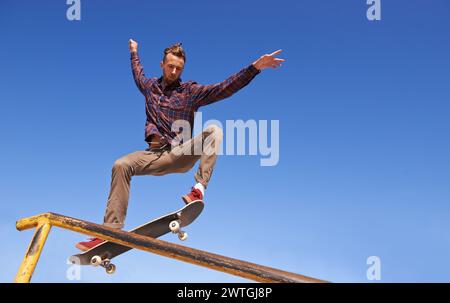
point(168, 101)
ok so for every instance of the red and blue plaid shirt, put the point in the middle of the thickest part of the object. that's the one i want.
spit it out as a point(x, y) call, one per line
point(180, 100)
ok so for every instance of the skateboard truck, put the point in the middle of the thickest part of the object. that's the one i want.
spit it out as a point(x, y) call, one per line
point(175, 227)
point(105, 263)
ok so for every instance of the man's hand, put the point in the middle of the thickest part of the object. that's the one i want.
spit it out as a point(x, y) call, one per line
point(133, 45)
point(268, 60)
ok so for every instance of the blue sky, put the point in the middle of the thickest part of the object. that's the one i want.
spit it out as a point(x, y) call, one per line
point(364, 166)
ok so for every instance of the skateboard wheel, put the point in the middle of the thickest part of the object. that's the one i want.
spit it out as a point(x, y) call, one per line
point(182, 235)
point(174, 226)
point(110, 269)
point(96, 261)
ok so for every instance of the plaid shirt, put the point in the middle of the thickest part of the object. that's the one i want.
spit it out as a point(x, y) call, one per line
point(180, 100)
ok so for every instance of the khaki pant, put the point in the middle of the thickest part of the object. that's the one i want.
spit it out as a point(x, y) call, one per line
point(157, 163)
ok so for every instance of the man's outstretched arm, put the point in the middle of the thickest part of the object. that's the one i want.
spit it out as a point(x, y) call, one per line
point(138, 71)
point(207, 94)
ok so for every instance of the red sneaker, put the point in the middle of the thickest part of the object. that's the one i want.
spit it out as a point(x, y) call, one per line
point(195, 194)
point(89, 244)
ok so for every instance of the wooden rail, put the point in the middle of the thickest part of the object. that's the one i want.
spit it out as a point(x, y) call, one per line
point(44, 222)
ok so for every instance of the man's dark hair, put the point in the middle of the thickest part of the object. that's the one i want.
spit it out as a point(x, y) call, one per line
point(176, 50)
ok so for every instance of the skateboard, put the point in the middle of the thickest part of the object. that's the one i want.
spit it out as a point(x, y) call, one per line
point(102, 254)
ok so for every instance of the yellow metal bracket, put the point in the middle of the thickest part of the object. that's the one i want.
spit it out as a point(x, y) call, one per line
point(33, 253)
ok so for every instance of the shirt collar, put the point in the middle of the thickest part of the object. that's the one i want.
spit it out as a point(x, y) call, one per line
point(171, 86)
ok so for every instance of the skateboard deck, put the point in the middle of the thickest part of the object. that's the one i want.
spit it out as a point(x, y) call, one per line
point(172, 222)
